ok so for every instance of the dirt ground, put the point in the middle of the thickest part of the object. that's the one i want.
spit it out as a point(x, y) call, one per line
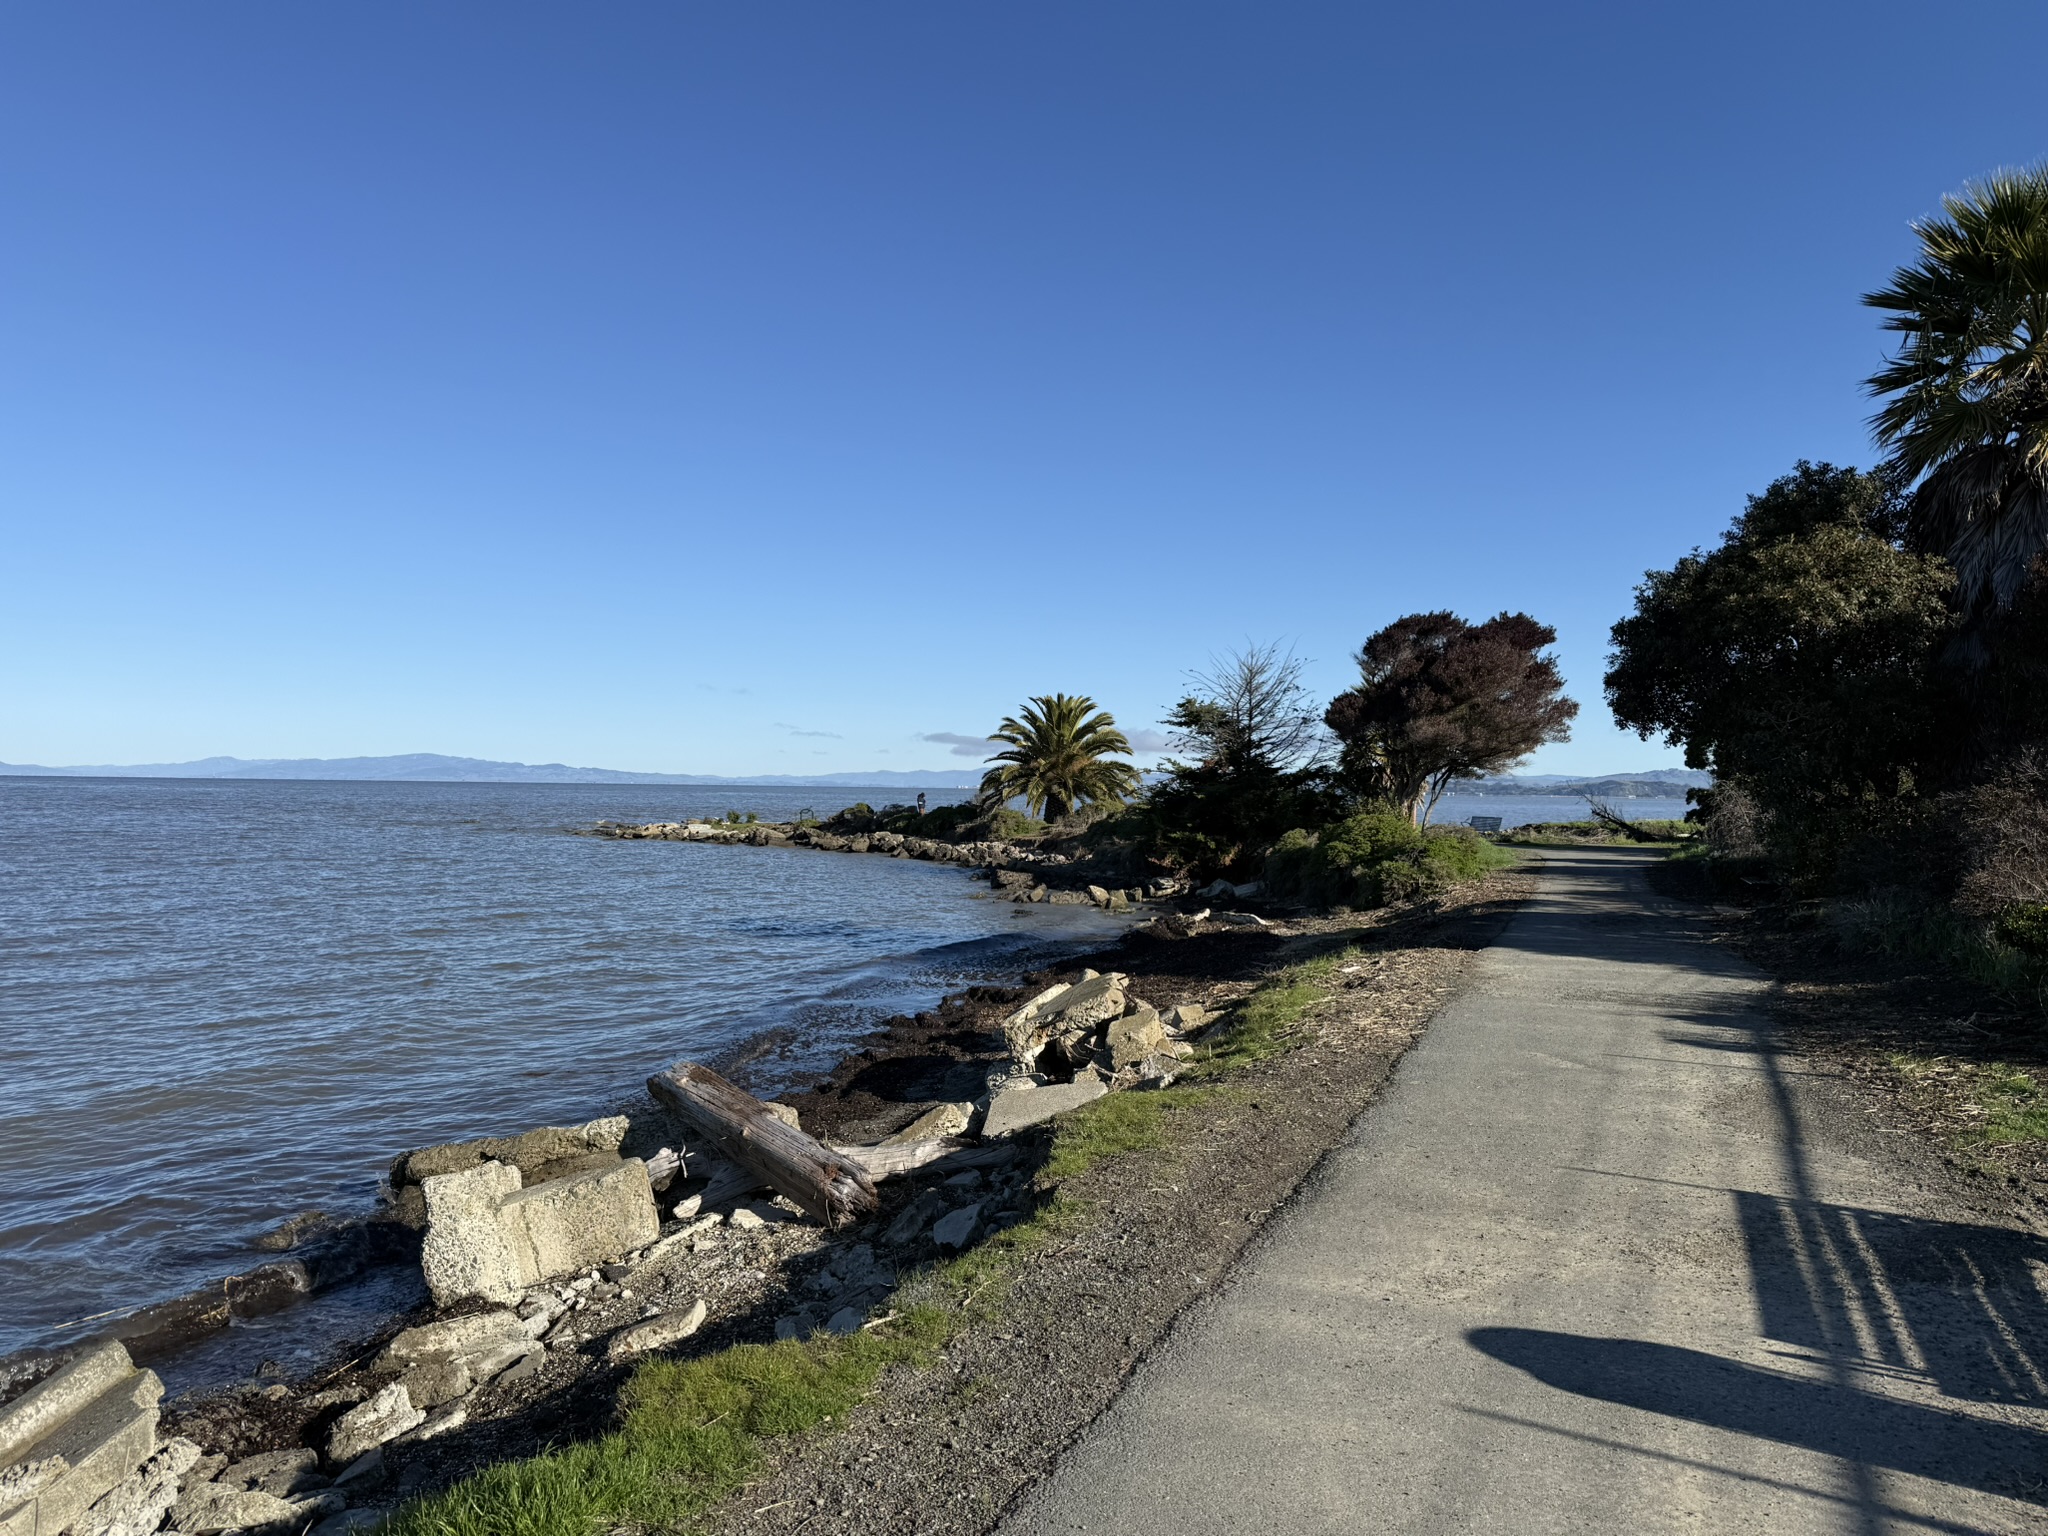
point(946, 1449)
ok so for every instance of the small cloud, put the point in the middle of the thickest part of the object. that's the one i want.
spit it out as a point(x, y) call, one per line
point(1148, 741)
point(963, 746)
point(797, 730)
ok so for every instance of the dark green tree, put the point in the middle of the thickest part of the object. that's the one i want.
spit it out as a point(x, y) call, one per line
point(1246, 742)
point(1799, 660)
point(1440, 699)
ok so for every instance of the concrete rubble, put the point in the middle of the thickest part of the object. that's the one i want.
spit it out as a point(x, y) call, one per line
point(538, 1246)
point(491, 1238)
point(73, 1438)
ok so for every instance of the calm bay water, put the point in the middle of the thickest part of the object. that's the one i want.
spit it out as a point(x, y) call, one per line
point(225, 1002)
point(1520, 810)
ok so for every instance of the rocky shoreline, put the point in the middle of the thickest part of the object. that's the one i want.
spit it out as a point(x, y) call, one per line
point(693, 1246)
point(1022, 871)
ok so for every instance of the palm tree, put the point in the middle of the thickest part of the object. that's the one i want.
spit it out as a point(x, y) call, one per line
point(1057, 758)
point(1967, 415)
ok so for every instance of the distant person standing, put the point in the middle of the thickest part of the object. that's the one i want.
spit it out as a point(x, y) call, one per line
point(920, 802)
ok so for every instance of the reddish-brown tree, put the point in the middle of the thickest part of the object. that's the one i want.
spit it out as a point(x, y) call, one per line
point(1440, 699)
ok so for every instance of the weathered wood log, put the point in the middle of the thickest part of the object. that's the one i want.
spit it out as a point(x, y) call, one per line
point(891, 1160)
point(947, 1154)
point(830, 1187)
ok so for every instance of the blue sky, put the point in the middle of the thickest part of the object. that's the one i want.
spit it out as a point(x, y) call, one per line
point(734, 389)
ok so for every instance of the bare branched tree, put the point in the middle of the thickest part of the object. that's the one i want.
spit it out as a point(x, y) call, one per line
point(1249, 712)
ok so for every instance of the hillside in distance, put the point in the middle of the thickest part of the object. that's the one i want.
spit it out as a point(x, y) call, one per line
point(1658, 784)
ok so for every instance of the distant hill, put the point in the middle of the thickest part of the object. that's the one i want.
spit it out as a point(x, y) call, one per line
point(1658, 784)
point(433, 767)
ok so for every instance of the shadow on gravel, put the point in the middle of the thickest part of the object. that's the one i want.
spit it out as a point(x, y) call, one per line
point(1859, 1427)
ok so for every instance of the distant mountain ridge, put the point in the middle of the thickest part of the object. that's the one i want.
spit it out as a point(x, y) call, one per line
point(1656, 784)
point(434, 767)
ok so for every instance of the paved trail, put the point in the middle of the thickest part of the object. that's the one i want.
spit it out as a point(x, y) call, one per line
point(1590, 1267)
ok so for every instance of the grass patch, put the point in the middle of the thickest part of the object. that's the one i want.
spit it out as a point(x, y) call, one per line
point(2015, 1107)
point(1895, 924)
point(692, 1432)
point(2004, 1105)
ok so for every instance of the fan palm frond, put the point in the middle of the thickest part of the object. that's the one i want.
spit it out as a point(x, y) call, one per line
point(1056, 757)
point(1965, 408)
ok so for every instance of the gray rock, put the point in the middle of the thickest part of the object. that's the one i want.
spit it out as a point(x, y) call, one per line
point(524, 1368)
point(914, 1218)
point(971, 1179)
point(385, 1416)
point(847, 1320)
point(467, 1251)
point(447, 1421)
point(940, 1120)
point(657, 1332)
point(434, 1382)
point(796, 1325)
point(137, 1505)
point(366, 1471)
point(451, 1338)
point(351, 1522)
point(282, 1473)
point(214, 1507)
point(1014, 1109)
point(957, 1229)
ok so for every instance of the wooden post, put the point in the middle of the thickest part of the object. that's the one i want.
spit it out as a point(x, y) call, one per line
point(830, 1187)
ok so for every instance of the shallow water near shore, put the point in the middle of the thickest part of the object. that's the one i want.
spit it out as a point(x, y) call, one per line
point(226, 1002)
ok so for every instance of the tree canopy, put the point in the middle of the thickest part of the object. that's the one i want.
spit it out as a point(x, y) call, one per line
point(1799, 658)
point(1246, 738)
point(1056, 758)
point(1440, 698)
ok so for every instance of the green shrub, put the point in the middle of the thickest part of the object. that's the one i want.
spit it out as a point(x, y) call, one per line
point(2025, 928)
point(855, 819)
point(1374, 858)
point(1004, 822)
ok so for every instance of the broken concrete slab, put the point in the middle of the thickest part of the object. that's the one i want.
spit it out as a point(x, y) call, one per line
point(577, 1223)
point(1015, 1108)
point(466, 1252)
point(1130, 1039)
point(97, 1418)
point(136, 1506)
point(490, 1238)
point(384, 1416)
point(940, 1121)
point(434, 1382)
point(535, 1154)
point(657, 1332)
point(957, 1228)
point(283, 1473)
point(451, 1338)
point(212, 1508)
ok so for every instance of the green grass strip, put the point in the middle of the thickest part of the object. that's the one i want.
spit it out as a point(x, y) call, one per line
point(692, 1432)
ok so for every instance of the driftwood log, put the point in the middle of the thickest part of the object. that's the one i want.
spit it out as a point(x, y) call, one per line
point(951, 1153)
point(829, 1186)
